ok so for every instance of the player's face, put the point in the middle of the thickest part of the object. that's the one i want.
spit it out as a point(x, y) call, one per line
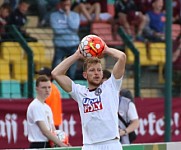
point(43, 89)
point(94, 74)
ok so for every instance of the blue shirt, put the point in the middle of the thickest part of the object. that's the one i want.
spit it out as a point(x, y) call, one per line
point(65, 28)
point(157, 21)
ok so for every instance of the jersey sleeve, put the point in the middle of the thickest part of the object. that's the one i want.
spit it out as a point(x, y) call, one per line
point(117, 83)
point(77, 91)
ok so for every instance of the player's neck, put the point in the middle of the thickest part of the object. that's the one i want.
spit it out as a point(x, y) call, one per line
point(93, 89)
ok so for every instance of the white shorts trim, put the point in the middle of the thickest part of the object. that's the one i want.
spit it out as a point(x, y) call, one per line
point(107, 145)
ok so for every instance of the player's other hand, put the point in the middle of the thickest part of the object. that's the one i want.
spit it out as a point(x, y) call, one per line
point(104, 51)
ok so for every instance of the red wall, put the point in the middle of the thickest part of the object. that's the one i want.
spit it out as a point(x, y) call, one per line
point(13, 127)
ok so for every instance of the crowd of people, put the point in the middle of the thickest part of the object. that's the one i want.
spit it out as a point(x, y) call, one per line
point(128, 13)
point(142, 20)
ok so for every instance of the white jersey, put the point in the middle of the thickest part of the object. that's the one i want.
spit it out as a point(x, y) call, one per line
point(38, 111)
point(98, 110)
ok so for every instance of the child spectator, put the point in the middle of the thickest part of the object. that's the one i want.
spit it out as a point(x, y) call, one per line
point(155, 29)
point(5, 10)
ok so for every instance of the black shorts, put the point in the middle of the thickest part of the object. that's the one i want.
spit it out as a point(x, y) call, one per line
point(40, 145)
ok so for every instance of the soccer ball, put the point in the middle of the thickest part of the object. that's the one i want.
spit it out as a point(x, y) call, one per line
point(62, 136)
point(91, 46)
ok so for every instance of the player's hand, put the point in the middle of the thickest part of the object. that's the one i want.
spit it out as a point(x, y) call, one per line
point(105, 49)
point(79, 54)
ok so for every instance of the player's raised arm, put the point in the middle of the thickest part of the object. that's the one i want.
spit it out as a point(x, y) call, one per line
point(119, 67)
point(59, 72)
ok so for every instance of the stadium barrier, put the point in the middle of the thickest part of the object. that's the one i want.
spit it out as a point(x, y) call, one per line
point(13, 123)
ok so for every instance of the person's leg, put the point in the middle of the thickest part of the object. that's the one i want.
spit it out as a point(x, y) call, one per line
point(176, 53)
point(82, 9)
point(115, 26)
point(122, 19)
point(72, 71)
point(42, 9)
point(142, 23)
point(96, 10)
point(59, 55)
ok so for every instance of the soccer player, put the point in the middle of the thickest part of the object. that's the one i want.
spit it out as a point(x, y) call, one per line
point(98, 104)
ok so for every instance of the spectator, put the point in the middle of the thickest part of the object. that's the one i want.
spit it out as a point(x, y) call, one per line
point(88, 12)
point(54, 100)
point(39, 117)
point(65, 24)
point(5, 10)
point(127, 14)
point(19, 19)
point(155, 29)
point(128, 112)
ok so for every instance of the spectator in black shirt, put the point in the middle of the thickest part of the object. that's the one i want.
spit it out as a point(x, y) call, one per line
point(19, 18)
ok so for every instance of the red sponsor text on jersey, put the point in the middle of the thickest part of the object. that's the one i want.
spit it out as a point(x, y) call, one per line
point(91, 105)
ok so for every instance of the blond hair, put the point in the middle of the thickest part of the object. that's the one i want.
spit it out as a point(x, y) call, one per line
point(90, 60)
